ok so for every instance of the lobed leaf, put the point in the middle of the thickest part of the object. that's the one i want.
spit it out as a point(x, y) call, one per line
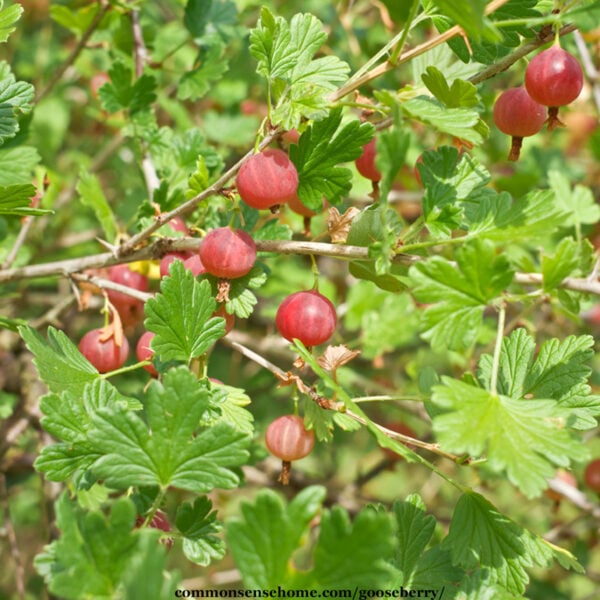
point(263, 538)
point(181, 316)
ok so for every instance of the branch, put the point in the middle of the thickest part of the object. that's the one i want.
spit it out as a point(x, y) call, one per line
point(216, 188)
point(382, 69)
point(288, 379)
point(510, 59)
point(162, 246)
point(141, 57)
point(103, 8)
point(588, 66)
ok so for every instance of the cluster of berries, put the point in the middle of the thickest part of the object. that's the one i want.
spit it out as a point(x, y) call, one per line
point(553, 78)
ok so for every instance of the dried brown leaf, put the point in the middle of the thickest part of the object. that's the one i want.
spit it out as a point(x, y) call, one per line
point(338, 225)
point(336, 356)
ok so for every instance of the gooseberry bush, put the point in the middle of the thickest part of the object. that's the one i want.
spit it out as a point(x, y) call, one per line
point(278, 315)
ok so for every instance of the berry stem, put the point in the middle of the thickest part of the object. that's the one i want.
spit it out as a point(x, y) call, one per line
point(497, 350)
point(286, 469)
point(515, 148)
point(315, 271)
point(553, 120)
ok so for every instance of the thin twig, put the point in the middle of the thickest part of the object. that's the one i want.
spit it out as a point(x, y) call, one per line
point(510, 59)
point(324, 403)
point(163, 245)
point(387, 66)
point(21, 237)
point(128, 247)
point(588, 66)
point(141, 58)
point(107, 284)
point(103, 7)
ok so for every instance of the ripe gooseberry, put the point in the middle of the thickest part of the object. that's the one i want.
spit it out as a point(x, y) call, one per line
point(554, 78)
point(267, 179)
point(227, 253)
point(159, 521)
point(591, 475)
point(517, 115)
point(299, 208)
point(125, 276)
point(229, 318)
point(194, 264)
point(307, 316)
point(287, 439)
point(102, 351)
point(144, 351)
point(365, 163)
point(167, 259)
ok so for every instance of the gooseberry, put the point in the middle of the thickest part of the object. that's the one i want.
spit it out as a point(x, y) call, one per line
point(102, 351)
point(517, 115)
point(287, 439)
point(365, 163)
point(144, 351)
point(227, 253)
point(125, 276)
point(591, 475)
point(554, 78)
point(307, 316)
point(267, 179)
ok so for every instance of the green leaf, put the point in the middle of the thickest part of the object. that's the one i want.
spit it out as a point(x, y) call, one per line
point(392, 147)
point(16, 200)
point(242, 300)
point(299, 84)
point(518, 436)
point(17, 164)
point(199, 179)
point(420, 568)
point(92, 195)
point(448, 179)
point(8, 19)
point(180, 315)
point(197, 16)
point(146, 575)
point(16, 98)
point(560, 372)
point(459, 293)
point(76, 20)
point(270, 44)
point(462, 123)
point(498, 217)
point(60, 364)
point(12, 324)
point(578, 203)
point(468, 14)
point(164, 452)
point(68, 418)
point(560, 265)
point(320, 149)
point(460, 93)
point(353, 553)
point(120, 94)
point(198, 524)
point(95, 552)
point(391, 325)
point(480, 537)
point(263, 538)
point(585, 16)
point(213, 65)
point(229, 402)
